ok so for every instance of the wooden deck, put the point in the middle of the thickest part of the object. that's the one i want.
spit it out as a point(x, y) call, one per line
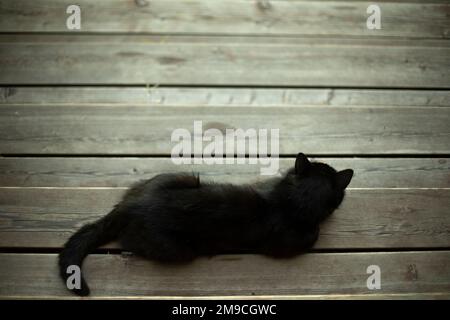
point(85, 113)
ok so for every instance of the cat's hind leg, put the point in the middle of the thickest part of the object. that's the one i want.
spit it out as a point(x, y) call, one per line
point(169, 253)
point(158, 247)
point(176, 180)
point(164, 181)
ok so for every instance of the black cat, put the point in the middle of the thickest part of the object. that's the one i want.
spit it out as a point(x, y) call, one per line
point(175, 217)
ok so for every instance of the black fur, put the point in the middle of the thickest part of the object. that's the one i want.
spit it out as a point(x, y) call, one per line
point(175, 218)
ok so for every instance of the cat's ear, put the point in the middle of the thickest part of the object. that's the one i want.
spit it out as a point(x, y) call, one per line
point(343, 178)
point(301, 163)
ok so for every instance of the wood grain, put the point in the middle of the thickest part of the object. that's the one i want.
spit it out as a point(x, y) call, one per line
point(311, 275)
point(122, 172)
point(367, 219)
point(220, 97)
point(306, 61)
point(236, 17)
point(131, 130)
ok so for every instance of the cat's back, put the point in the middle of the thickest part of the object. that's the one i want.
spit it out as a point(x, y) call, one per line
point(186, 194)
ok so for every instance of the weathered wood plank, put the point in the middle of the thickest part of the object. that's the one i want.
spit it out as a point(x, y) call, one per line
point(106, 129)
point(79, 59)
point(310, 275)
point(122, 172)
point(355, 296)
point(368, 218)
point(237, 17)
point(231, 97)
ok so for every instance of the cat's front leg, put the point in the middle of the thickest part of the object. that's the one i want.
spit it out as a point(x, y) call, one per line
point(292, 243)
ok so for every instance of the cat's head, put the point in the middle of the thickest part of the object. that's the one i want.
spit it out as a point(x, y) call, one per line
point(320, 189)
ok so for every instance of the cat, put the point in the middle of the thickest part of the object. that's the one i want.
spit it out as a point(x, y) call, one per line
point(174, 218)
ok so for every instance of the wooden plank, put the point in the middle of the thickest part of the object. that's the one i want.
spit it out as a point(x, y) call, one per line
point(122, 172)
point(231, 97)
point(130, 130)
point(310, 275)
point(93, 59)
point(374, 296)
point(368, 218)
point(236, 17)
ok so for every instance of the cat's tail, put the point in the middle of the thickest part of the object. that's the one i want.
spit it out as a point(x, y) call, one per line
point(80, 244)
